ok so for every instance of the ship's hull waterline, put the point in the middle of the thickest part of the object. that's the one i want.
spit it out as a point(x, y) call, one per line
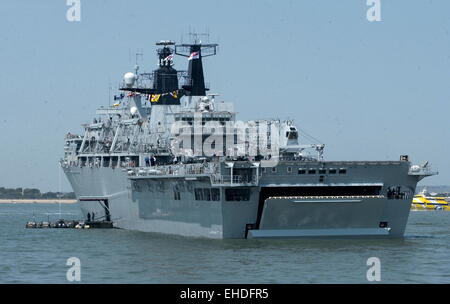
point(282, 204)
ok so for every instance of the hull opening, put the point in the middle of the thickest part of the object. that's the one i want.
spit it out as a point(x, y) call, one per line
point(267, 192)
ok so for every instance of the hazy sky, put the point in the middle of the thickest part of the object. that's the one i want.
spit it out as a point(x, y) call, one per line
point(368, 90)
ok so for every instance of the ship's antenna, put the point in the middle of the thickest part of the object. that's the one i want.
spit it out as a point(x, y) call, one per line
point(139, 54)
point(196, 37)
point(109, 93)
point(207, 34)
point(136, 67)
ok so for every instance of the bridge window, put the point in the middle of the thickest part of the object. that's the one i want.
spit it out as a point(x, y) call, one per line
point(237, 195)
point(342, 171)
point(215, 194)
point(207, 194)
point(114, 161)
point(312, 171)
point(176, 195)
point(198, 193)
point(301, 171)
point(322, 171)
point(332, 171)
point(292, 135)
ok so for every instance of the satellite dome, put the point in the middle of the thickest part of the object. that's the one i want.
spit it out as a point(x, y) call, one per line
point(133, 110)
point(129, 79)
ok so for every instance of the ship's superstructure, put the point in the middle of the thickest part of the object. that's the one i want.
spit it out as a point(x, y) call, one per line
point(168, 157)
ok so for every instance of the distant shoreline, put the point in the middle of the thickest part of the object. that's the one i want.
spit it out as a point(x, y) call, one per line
point(37, 201)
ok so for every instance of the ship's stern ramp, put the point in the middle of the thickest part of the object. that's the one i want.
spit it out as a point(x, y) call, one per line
point(323, 216)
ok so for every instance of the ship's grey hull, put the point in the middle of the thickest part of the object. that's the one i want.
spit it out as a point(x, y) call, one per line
point(170, 204)
point(181, 164)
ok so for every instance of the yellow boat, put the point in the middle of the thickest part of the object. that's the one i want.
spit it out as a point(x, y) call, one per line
point(426, 201)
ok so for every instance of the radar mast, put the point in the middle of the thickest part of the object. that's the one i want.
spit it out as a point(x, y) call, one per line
point(195, 84)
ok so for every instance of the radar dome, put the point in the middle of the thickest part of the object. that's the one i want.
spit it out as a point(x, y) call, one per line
point(415, 168)
point(129, 79)
point(133, 110)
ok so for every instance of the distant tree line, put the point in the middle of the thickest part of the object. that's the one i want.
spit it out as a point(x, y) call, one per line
point(32, 193)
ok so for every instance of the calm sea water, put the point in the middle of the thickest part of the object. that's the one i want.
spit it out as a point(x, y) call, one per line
point(119, 256)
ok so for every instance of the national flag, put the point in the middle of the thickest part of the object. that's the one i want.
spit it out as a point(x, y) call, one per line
point(174, 94)
point(194, 55)
point(116, 105)
point(170, 57)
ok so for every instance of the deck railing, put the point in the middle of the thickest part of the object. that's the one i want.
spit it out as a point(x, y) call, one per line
point(211, 170)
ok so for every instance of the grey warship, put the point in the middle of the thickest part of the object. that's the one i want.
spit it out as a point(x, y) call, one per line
point(142, 165)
